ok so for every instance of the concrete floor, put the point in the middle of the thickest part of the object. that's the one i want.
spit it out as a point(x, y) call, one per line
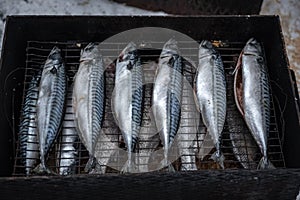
point(288, 10)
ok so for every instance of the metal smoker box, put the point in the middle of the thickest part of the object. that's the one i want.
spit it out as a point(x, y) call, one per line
point(28, 39)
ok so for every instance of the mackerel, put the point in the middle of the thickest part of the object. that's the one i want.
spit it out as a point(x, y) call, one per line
point(88, 100)
point(28, 126)
point(167, 93)
point(210, 88)
point(50, 105)
point(252, 95)
point(127, 99)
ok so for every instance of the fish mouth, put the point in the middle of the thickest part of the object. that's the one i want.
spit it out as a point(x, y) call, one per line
point(252, 47)
point(206, 49)
point(90, 47)
point(55, 54)
point(206, 44)
point(90, 52)
point(128, 51)
point(171, 46)
point(251, 41)
point(131, 46)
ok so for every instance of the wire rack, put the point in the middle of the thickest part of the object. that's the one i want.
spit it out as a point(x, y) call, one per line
point(111, 150)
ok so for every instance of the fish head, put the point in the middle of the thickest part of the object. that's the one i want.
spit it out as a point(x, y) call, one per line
point(252, 47)
point(129, 56)
point(90, 52)
point(170, 47)
point(55, 55)
point(54, 60)
point(206, 48)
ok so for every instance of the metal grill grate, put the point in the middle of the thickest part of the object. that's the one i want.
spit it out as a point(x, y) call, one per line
point(114, 154)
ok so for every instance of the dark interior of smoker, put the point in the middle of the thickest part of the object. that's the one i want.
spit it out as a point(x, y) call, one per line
point(67, 30)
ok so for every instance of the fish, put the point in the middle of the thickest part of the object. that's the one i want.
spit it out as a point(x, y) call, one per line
point(127, 99)
point(167, 94)
point(67, 154)
point(50, 105)
point(88, 100)
point(29, 150)
point(252, 95)
point(210, 90)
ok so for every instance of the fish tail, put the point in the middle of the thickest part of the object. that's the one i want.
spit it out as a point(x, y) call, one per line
point(129, 166)
point(41, 169)
point(218, 157)
point(165, 163)
point(91, 164)
point(265, 163)
point(98, 169)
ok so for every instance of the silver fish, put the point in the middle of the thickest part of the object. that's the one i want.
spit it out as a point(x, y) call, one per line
point(67, 153)
point(88, 99)
point(28, 128)
point(127, 99)
point(251, 87)
point(167, 93)
point(50, 104)
point(210, 88)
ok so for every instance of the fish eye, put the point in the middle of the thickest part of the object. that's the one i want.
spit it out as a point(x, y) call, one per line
point(89, 47)
point(130, 66)
point(260, 60)
point(53, 70)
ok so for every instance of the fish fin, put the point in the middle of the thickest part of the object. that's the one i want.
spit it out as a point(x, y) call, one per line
point(98, 169)
point(171, 168)
point(264, 163)
point(219, 158)
point(127, 168)
point(237, 86)
point(239, 63)
point(196, 101)
point(91, 164)
point(42, 170)
point(205, 147)
point(165, 163)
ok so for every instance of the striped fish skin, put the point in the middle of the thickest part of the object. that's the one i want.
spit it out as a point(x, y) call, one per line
point(167, 93)
point(88, 99)
point(50, 104)
point(28, 127)
point(255, 101)
point(67, 151)
point(127, 99)
point(210, 88)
